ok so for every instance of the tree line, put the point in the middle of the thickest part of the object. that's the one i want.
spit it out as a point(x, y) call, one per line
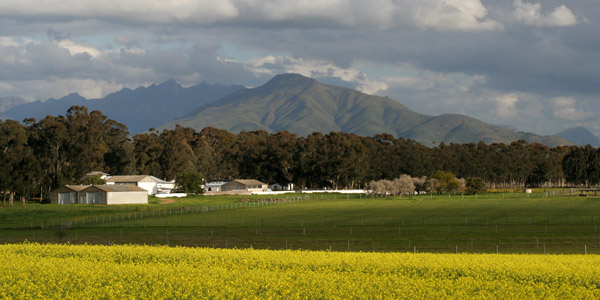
point(39, 156)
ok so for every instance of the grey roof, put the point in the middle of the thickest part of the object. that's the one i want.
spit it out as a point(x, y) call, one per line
point(127, 178)
point(158, 180)
point(93, 173)
point(77, 188)
point(120, 188)
point(249, 182)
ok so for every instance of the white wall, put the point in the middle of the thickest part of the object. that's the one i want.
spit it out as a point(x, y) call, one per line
point(132, 197)
point(151, 187)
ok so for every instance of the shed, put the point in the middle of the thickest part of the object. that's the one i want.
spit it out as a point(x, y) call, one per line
point(163, 186)
point(114, 194)
point(251, 185)
point(68, 194)
point(214, 186)
point(144, 181)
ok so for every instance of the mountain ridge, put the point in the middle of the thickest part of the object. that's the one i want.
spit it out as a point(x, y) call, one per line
point(139, 109)
point(302, 105)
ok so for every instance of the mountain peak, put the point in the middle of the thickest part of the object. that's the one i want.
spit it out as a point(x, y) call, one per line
point(288, 80)
point(170, 82)
point(580, 136)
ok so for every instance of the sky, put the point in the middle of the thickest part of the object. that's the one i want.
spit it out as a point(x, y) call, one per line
point(530, 65)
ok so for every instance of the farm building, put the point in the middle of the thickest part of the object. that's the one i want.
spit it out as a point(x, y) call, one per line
point(100, 174)
point(114, 194)
point(214, 186)
point(99, 194)
point(249, 185)
point(68, 194)
point(163, 186)
point(281, 187)
point(144, 181)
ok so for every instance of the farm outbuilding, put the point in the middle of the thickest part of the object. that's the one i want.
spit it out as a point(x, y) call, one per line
point(99, 194)
point(214, 186)
point(250, 185)
point(115, 194)
point(144, 181)
point(68, 194)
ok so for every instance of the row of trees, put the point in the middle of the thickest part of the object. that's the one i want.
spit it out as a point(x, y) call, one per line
point(38, 156)
point(439, 182)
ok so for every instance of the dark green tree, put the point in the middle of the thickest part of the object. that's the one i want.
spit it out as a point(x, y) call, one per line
point(189, 182)
point(447, 181)
point(475, 185)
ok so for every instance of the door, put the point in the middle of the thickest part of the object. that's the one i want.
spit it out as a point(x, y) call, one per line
point(64, 198)
point(92, 198)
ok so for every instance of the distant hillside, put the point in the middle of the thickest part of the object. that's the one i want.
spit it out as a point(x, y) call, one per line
point(7, 103)
point(580, 136)
point(303, 105)
point(139, 109)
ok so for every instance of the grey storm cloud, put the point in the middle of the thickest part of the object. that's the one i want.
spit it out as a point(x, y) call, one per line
point(497, 60)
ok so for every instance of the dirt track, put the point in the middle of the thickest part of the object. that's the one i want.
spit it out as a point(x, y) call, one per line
point(167, 201)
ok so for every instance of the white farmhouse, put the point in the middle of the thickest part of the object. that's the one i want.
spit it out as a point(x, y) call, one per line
point(144, 181)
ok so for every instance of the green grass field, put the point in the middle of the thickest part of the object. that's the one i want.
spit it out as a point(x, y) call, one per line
point(504, 222)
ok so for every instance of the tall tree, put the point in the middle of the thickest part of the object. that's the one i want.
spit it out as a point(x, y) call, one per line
point(177, 155)
point(17, 162)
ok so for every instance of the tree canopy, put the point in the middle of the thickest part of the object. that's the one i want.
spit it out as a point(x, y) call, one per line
point(38, 156)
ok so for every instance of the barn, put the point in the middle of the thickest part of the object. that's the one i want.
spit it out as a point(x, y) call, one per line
point(68, 194)
point(149, 183)
point(99, 194)
point(250, 185)
point(114, 194)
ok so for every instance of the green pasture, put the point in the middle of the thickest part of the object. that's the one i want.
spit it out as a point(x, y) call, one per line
point(550, 222)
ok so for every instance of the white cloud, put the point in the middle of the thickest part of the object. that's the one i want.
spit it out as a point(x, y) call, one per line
point(271, 65)
point(506, 105)
point(566, 108)
point(57, 88)
point(75, 48)
point(8, 41)
point(469, 15)
point(441, 15)
point(531, 14)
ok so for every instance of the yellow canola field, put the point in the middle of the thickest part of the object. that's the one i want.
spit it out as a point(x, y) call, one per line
point(37, 271)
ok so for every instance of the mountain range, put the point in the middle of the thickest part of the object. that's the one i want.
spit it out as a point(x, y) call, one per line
point(139, 109)
point(288, 102)
point(303, 105)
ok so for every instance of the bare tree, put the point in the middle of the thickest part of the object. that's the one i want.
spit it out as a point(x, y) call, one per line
point(432, 185)
point(420, 184)
point(404, 185)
